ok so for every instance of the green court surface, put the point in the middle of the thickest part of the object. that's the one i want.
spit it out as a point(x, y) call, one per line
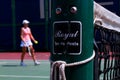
point(10, 70)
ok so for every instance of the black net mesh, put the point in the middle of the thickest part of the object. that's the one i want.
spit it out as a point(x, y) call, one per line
point(107, 60)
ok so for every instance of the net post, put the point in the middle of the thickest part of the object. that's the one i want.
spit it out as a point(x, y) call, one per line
point(65, 16)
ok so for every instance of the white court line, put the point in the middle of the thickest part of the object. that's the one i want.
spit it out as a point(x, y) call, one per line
point(3, 62)
point(20, 76)
point(27, 61)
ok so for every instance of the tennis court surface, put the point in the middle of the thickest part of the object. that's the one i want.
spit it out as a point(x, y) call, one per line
point(10, 69)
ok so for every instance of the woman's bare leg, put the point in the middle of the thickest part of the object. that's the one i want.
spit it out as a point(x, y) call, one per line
point(23, 53)
point(33, 55)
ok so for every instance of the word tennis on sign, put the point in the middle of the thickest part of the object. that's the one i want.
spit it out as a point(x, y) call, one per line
point(67, 37)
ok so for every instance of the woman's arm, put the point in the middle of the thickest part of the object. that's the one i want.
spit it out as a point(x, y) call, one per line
point(31, 36)
point(21, 35)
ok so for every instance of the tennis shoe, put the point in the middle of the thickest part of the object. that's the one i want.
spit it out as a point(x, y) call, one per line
point(37, 63)
point(22, 64)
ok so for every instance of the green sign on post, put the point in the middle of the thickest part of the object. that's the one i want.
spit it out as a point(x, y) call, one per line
point(72, 26)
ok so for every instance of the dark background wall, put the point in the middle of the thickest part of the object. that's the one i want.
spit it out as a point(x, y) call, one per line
point(12, 13)
point(112, 5)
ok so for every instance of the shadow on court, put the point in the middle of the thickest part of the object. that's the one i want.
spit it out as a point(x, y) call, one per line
point(10, 65)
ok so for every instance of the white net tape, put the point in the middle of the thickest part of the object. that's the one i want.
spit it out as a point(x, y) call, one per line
point(109, 20)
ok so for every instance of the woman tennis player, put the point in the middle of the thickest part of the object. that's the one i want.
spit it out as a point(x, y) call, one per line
point(26, 37)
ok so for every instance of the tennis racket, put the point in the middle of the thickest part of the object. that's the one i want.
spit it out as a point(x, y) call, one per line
point(29, 51)
point(28, 48)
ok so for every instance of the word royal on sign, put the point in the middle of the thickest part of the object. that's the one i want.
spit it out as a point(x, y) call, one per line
point(65, 36)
